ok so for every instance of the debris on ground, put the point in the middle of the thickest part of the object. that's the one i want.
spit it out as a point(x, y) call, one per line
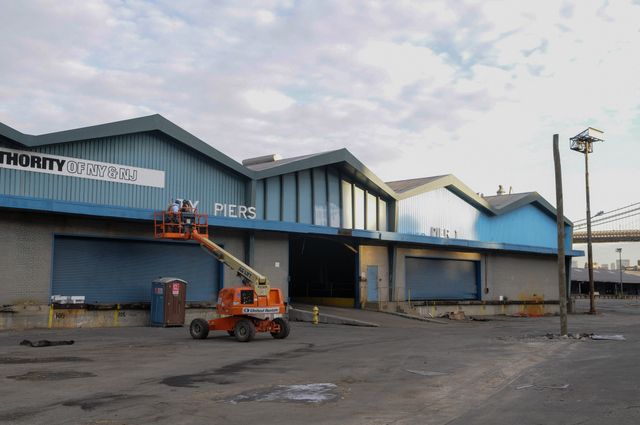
point(425, 372)
point(454, 315)
point(582, 336)
point(45, 343)
point(479, 319)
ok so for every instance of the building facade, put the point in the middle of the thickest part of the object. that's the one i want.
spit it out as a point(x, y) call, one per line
point(76, 210)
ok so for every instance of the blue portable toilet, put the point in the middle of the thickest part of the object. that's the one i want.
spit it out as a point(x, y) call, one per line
point(168, 301)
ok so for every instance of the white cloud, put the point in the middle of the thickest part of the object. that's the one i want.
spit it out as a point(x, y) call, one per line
point(267, 100)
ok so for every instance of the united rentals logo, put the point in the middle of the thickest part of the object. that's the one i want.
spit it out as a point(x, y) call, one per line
point(74, 167)
point(248, 310)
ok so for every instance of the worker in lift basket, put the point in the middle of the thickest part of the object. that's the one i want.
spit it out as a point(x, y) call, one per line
point(172, 217)
point(187, 213)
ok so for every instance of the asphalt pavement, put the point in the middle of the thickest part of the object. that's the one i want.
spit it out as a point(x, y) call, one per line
point(502, 371)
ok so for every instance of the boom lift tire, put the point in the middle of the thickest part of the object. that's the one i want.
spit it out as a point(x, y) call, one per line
point(284, 330)
point(199, 329)
point(245, 330)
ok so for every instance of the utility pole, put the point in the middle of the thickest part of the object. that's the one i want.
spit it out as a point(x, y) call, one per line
point(583, 143)
point(592, 289)
point(619, 251)
point(562, 276)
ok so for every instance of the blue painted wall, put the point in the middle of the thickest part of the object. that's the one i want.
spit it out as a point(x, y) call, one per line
point(441, 213)
point(188, 174)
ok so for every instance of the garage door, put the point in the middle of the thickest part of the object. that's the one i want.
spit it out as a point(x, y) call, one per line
point(437, 279)
point(121, 271)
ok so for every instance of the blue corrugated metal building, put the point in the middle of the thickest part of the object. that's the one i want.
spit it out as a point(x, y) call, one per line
point(76, 209)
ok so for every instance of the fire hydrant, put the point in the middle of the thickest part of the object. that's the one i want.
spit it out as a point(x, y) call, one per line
point(316, 313)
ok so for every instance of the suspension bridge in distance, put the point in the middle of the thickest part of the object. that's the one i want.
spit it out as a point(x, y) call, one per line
point(618, 225)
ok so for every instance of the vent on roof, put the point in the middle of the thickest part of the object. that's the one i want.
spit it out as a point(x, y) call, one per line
point(261, 159)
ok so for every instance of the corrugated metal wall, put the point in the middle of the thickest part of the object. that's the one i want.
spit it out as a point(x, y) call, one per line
point(437, 209)
point(320, 196)
point(439, 279)
point(121, 270)
point(188, 174)
point(441, 213)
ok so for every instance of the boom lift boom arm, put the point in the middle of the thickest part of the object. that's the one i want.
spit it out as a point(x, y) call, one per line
point(258, 282)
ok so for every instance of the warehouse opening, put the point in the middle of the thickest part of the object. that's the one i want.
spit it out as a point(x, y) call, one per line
point(322, 271)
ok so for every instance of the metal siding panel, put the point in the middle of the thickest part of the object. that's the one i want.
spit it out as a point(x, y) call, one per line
point(372, 213)
point(289, 197)
point(441, 213)
point(333, 183)
point(347, 207)
point(273, 198)
point(121, 271)
point(358, 212)
point(382, 215)
point(260, 200)
point(438, 209)
point(188, 174)
point(304, 196)
point(527, 225)
point(319, 197)
point(437, 279)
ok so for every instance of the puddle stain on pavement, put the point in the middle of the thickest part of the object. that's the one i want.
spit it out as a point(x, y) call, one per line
point(305, 393)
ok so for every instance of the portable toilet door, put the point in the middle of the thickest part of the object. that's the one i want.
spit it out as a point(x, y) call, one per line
point(168, 301)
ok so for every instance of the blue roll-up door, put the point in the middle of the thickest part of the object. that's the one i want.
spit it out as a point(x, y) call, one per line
point(121, 271)
point(438, 279)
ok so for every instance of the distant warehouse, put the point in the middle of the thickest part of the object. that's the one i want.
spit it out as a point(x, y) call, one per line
point(76, 210)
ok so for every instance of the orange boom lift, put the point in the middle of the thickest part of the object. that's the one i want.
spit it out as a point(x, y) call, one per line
point(254, 307)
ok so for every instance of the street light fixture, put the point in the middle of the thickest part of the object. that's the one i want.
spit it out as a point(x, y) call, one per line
point(583, 143)
point(619, 251)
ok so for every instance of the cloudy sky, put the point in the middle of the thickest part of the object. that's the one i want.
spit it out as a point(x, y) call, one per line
point(413, 89)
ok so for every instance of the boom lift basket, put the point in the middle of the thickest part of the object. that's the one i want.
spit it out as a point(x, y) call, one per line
point(168, 225)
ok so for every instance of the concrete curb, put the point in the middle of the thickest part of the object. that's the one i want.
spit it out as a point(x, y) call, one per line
point(422, 319)
point(296, 315)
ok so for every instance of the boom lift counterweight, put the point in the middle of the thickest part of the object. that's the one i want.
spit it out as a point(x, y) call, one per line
point(254, 307)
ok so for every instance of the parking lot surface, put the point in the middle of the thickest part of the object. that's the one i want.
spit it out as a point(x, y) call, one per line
point(501, 371)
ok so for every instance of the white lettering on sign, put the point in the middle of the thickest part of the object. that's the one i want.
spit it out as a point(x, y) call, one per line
point(82, 168)
point(235, 211)
point(260, 310)
point(442, 232)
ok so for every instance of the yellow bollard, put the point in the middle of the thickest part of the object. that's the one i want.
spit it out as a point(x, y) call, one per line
point(316, 313)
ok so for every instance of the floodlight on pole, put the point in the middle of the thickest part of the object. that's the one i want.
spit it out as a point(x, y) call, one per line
point(583, 143)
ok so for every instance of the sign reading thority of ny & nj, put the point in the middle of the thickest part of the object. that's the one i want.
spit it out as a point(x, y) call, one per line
point(73, 167)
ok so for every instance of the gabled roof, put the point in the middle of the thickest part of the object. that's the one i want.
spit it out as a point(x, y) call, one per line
point(277, 163)
point(502, 201)
point(413, 187)
point(494, 205)
point(503, 204)
point(154, 122)
point(340, 156)
point(401, 186)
